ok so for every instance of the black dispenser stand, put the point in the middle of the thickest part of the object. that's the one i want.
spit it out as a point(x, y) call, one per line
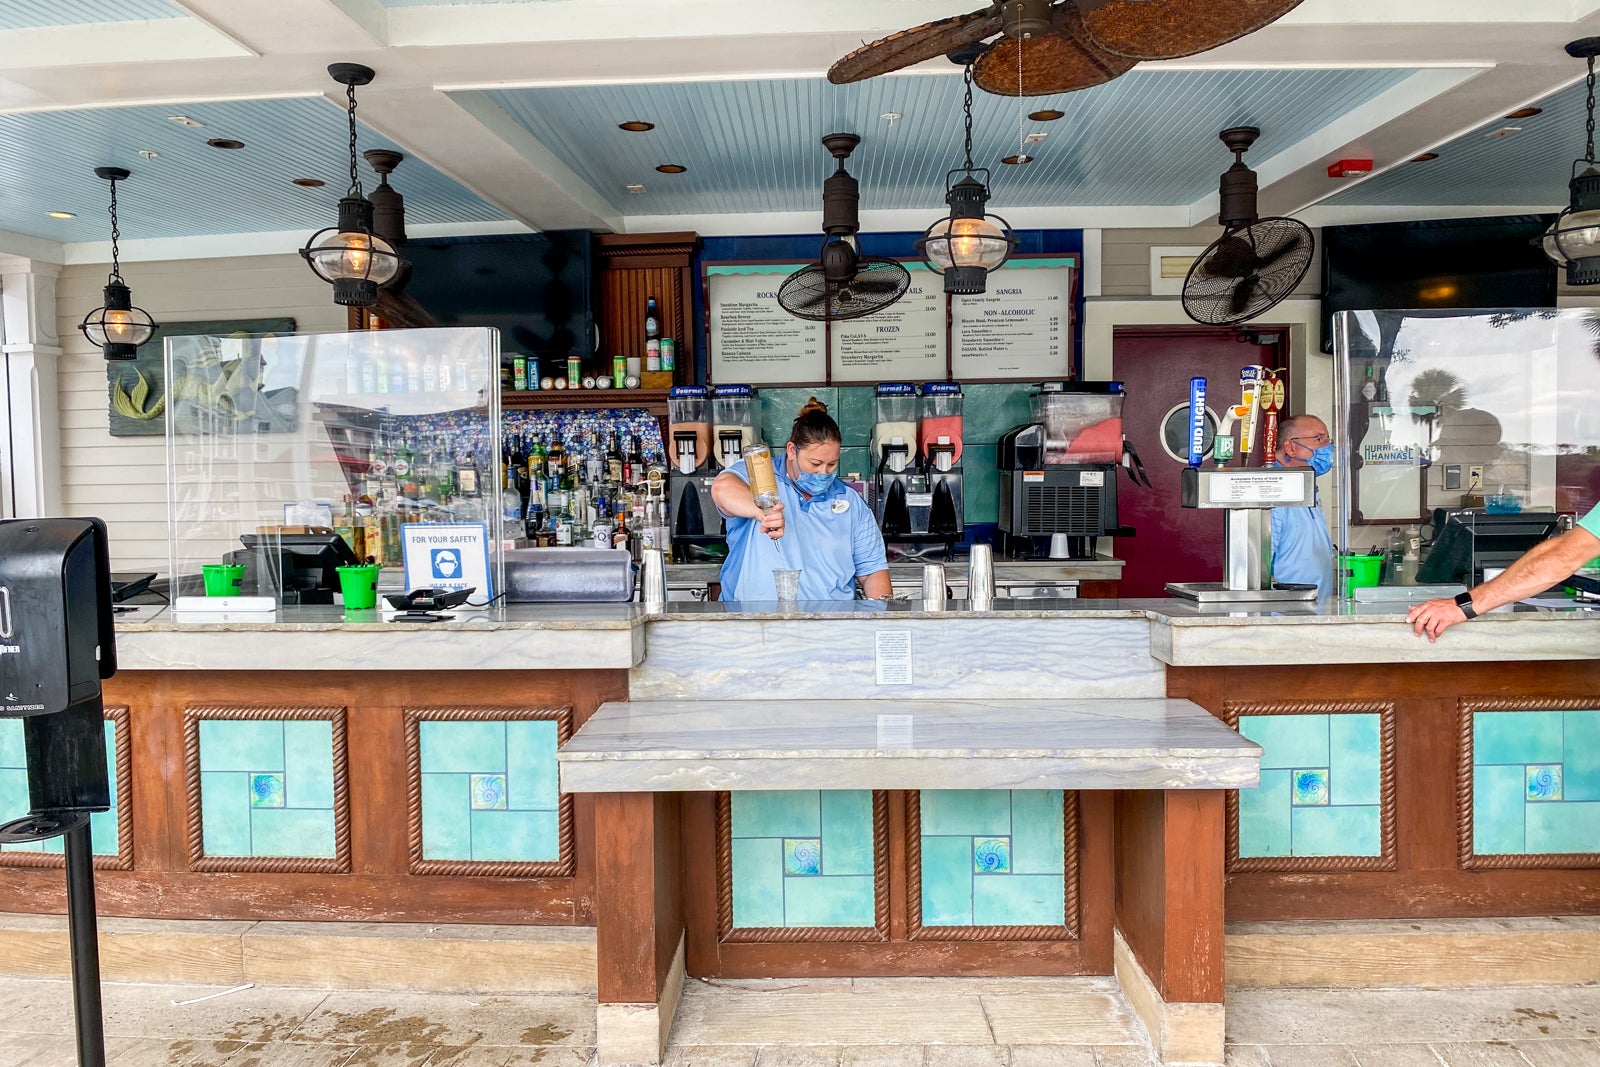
point(83, 929)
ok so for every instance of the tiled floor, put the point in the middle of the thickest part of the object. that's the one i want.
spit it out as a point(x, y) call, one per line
point(822, 1023)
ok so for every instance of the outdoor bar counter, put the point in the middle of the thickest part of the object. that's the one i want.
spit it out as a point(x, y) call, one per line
point(858, 789)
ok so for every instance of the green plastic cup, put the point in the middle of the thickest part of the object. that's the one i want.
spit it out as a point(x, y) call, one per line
point(359, 585)
point(1360, 572)
point(222, 579)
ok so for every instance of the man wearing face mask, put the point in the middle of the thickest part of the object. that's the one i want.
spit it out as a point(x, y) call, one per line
point(1302, 551)
point(824, 528)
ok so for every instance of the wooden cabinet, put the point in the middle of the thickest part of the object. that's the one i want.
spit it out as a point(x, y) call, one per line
point(633, 267)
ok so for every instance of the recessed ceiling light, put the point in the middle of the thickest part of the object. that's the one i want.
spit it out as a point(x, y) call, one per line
point(1049, 115)
point(1504, 131)
point(185, 120)
point(1017, 160)
point(672, 168)
point(227, 143)
point(61, 214)
point(148, 155)
point(309, 183)
point(634, 188)
point(1035, 138)
point(1525, 112)
point(636, 126)
point(891, 117)
point(1426, 157)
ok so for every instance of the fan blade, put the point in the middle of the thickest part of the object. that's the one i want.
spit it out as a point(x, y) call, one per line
point(1168, 29)
point(1230, 257)
point(915, 45)
point(1243, 295)
point(1266, 259)
point(1059, 62)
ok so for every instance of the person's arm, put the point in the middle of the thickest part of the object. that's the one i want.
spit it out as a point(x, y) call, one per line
point(735, 500)
point(1538, 569)
point(876, 586)
point(866, 548)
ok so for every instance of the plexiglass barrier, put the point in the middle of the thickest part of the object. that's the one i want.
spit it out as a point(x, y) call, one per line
point(1467, 435)
point(291, 455)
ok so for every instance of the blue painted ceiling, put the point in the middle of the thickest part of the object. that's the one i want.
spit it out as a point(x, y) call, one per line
point(31, 14)
point(1528, 168)
point(1148, 137)
point(47, 162)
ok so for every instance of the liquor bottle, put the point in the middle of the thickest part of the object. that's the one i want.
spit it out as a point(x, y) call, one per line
point(380, 373)
point(467, 474)
point(556, 465)
point(430, 373)
point(594, 462)
point(397, 374)
point(444, 382)
point(652, 320)
point(511, 514)
point(1369, 387)
point(561, 517)
point(614, 461)
point(413, 373)
point(633, 464)
point(536, 463)
point(533, 514)
point(461, 373)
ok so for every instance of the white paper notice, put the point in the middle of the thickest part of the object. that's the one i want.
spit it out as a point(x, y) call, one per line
point(903, 342)
point(895, 731)
point(752, 338)
point(1263, 488)
point(1020, 328)
point(894, 657)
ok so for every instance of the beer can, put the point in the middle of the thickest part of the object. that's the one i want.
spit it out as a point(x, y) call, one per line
point(619, 368)
point(519, 372)
point(669, 353)
point(574, 370)
point(652, 355)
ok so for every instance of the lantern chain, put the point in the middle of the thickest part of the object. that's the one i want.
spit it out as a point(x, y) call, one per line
point(116, 235)
point(967, 107)
point(355, 177)
point(1589, 129)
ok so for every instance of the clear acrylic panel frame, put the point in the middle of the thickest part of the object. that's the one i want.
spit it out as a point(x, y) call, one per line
point(266, 432)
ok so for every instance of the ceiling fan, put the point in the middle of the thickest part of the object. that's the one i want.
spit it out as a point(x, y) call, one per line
point(1256, 262)
point(842, 283)
point(1057, 46)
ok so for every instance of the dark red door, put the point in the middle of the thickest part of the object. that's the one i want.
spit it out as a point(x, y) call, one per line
point(1173, 543)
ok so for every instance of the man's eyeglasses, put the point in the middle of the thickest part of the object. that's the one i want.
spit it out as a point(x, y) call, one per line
point(1312, 442)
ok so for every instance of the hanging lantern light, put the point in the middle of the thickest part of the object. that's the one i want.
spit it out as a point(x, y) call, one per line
point(350, 255)
point(1573, 240)
point(117, 327)
point(969, 243)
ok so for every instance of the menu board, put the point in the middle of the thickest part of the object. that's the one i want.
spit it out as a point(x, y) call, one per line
point(1020, 328)
point(752, 339)
point(903, 342)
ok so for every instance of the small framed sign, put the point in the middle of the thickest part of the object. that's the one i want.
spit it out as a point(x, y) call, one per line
point(449, 556)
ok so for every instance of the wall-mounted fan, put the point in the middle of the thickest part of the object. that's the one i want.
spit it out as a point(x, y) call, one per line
point(842, 283)
point(1256, 262)
point(1057, 46)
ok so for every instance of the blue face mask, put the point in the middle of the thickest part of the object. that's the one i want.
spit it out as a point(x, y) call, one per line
point(814, 483)
point(1321, 459)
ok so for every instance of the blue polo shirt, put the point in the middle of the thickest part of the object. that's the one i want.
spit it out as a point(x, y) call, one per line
point(1302, 551)
point(831, 538)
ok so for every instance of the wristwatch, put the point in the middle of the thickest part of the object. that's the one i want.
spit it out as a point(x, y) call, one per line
point(1464, 602)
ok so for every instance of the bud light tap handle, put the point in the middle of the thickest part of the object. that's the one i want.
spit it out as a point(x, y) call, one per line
point(1197, 421)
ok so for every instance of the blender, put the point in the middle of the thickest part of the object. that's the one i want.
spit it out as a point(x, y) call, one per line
point(692, 516)
point(939, 449)
point(1058, 473)
point(733, 423)
point(916, 448)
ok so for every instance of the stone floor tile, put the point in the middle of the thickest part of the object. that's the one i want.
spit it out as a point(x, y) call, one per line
point(1395, 1056)
point(1310, 1056)
point(548, 1056)
point(1124, 1056)
point(37, 1050)
point(986, 986)
point(164, 1052)
point(776, 985)
point(379, 1018)
point(736, 1017)
point(402, 1055)
point(1375, 1017)
point(251, 1016)
point(1051, 1056)
point(1062, 1019)
point(1561, 1053)
point(1249, 1056)
point(35, 1006)
point(714, 1056)
point(294, 1054)
point(798, 1056)
point(1465, 1054)
point(966, 1056)
point(882, 1056)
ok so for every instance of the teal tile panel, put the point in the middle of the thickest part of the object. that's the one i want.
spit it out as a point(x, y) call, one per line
point(853, 460)
point(1264, 828)
point(103, 832)
point(531, 765)
point(12, 750)
point(847, 832)
point(291, 832)
point(1564, 827)
point(780, 406)
point(1037, 845)
point(515, 836)
point(780, 813)
point(988, 411)
point(308, 756)
point(13, 793)
point(1336, 831)
point(446, 817)
point(1581, 755)
point(1355, 759)
point(1018, 900)
point(830, 901)
point(239, 745)
point(456, 747)
point(1516, 737)
point(980, 484)
point(946, 880)
point(966, 812)
point(856, 413)
point(224, 812)
point(1498, 803)
point(1288, 741)
point(758, 882)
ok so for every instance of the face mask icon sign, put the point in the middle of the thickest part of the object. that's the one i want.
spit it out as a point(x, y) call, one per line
point(446, 563)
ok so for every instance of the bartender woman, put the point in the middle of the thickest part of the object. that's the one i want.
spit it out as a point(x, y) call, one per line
point(824, 528)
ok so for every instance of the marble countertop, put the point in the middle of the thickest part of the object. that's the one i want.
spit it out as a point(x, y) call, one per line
point(1101, 568)
point(693, 745)
point(146, 618)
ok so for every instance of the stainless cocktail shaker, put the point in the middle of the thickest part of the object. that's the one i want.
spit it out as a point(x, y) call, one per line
point(980, 578)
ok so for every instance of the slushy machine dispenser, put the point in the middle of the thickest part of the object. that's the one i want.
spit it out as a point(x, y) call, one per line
point(1058, 473)
point(706, 435)
point(916, 452)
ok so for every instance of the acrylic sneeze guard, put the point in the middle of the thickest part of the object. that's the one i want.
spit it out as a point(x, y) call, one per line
point(1492, 411)
point(349, 433)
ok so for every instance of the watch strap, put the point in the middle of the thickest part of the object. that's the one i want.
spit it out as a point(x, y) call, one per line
point(1464, 602)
